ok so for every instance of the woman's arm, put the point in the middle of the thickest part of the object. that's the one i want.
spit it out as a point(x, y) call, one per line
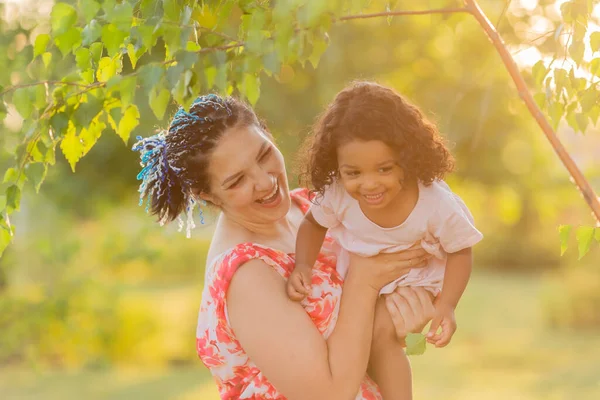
point(281, 339)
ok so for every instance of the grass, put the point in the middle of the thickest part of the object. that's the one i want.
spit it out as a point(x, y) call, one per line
point(502, 350)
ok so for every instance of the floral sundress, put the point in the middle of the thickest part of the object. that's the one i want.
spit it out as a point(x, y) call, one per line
point(237, 377)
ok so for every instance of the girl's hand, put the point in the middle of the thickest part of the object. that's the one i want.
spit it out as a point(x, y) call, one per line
point(444, 318)
point(298, 284)
point(411, 308)
point(384, 268)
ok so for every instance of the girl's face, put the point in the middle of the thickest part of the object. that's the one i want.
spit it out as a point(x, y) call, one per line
point(248, 177)
point(370, 173)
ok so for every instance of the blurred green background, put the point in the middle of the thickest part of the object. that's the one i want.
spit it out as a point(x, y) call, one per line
point(98, 301)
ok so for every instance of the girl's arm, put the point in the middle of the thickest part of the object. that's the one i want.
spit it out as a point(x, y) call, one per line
point(458, 272)
point(309, 241)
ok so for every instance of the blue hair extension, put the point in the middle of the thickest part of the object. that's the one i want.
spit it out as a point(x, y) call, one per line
point(155, 172)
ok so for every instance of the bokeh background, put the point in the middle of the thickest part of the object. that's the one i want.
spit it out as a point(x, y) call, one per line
point(98, 302)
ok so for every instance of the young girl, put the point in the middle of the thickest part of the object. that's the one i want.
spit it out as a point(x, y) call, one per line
point(377, 167)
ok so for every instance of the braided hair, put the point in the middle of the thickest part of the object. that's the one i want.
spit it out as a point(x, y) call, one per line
point(175, 162)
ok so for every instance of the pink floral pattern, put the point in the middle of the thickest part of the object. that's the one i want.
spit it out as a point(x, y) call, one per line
point(237, 377)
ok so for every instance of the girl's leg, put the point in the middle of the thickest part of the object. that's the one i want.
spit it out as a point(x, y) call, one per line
point(389, 366)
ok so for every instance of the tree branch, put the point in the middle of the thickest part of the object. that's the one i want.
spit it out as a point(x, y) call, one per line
point(11, 88)
point(396, 13)
point(580, 180)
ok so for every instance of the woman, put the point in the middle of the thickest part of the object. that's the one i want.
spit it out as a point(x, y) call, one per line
point(257, 343)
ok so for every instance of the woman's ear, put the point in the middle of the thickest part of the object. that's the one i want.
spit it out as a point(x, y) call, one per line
point(209, 198)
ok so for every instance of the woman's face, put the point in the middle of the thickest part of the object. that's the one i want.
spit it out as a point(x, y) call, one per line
point(248, 177)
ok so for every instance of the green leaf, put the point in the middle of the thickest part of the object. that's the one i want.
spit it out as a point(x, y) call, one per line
point(171, 10)
point(594, 114)
point(88, 76)
point(173, 39)
point(150, 75)
point(13, 177)
point(584, 235)
point(127, 91)
point(34, 151)
point(180, 91)
point(135, 53)
point(595, 41)
point(40, 150)
point(572, 120)
point(561, 79)
point(121, 15)
point(192, 46)
point(41, 42)
point(564, 232)
point(319, 47)
point(89, 8)
point(108, 5)
point(565, 10)
point(112, 37)
point(39, 94)
point(5, 237)
point(107, 68)
point(556, 111)
point(588, 99)
point(87, 111)
point(186, 59)
point(36, 173)
point(47, 58)
point(159, 101)
point(251, 88)
point(210, 73)
point(96, 50)
point(145, 35)
point(539, 72)
point(63, 17)
point(90, 135)
point(13, 198)
point(582, 121)
point(72, 147)
point(91, 32)
point(540, 100)
point(22, 101)
point(128, 122)
point(2, 202)
point(59, 123)
point(415, 344)
point(83, 58)
point(68, 41)
point(50, 157)
point(576, 50)
point(10, 176)
point(595, 66)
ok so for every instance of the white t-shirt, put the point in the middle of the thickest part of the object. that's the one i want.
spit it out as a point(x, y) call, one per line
point(440, 222)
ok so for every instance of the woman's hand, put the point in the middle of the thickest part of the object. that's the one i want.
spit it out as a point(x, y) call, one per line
point(384, 268)
point(411, 308)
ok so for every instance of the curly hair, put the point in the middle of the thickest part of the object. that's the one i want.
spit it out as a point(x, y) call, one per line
point(369, 111)
point(176, 161)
